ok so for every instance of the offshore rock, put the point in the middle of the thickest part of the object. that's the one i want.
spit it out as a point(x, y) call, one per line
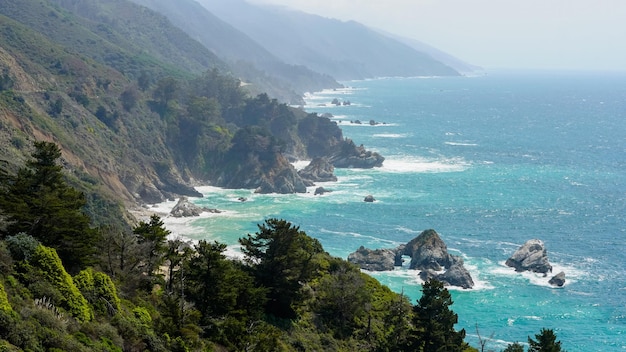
point(457, 275)
point(428, 253)
point(373, 259)
point(369, 198)
point(320, 191)
point(318, 170)
point(184, 208)
point(558, 280)
point(531, 256)
point(348, 155)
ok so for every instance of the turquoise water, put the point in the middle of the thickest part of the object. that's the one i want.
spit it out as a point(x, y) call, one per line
point(489, 162)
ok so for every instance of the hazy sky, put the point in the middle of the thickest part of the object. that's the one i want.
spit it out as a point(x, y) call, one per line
point(566, 34)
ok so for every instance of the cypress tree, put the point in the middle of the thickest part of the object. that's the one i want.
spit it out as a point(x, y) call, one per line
point(546, 342)
point(434, 321)
point(38, 201)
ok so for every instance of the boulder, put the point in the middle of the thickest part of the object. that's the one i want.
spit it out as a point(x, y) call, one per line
point(558, 279)
point(531, 256)
point(286, 181)
point(369, 198)
point(320, 191)
point(184, 208)
point(428, 251)
point(318, 170)
point(373, 259)
point(457, 275)
point(348, 155)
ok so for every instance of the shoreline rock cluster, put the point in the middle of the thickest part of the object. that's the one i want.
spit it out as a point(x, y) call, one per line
point(184, 208)
point(429, 255)
point(532, 256)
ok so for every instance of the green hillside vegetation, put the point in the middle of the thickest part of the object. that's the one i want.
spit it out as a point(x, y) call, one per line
point(120, 110)
point(105, 105)
point(145, 292)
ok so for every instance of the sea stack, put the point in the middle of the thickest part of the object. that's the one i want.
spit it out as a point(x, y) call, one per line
point(531, 256)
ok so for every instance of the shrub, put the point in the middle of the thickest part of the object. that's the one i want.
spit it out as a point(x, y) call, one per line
point(22, 246)
point(99, 290)
point(48, 262)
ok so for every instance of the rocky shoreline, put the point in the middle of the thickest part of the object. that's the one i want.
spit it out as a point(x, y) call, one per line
point(429, 256)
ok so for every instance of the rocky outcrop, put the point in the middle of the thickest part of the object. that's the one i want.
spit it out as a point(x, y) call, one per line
point(373, 259)
point(348, 155)
point(457, 275)
point(558, 280)
point(185, 208)
point(428, 253)
point(369, 198)
point(318, 170)
point(255, 162)
point(531, 256)
point(320, 191)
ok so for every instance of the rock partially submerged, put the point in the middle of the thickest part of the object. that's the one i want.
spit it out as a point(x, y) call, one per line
point(351, 156)
point(428, 253)
point(318, 170)
point(373, 259)
point(531, 256)
point(320, 191)
point(184, 208)
point(558, 280)
point(369, 198)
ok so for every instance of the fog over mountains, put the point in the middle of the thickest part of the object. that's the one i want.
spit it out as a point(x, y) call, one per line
point(343, 50)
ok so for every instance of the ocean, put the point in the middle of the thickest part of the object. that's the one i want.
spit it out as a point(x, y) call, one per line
point(489, 162)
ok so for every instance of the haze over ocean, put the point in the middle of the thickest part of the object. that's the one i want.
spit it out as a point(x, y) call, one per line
point(488, 162)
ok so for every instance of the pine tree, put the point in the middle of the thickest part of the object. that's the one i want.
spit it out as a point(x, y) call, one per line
point(38, 201)
point(434, 321)
point(546, 342)
point(152, 236)
point(283, 258)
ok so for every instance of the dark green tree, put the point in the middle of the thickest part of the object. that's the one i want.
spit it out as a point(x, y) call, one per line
point(152, 236)
point(434, 321)
point(224, 293)
point(341, 299)
point(283, 258)
point(545, 342)
point(38, 201)
point(514, 347)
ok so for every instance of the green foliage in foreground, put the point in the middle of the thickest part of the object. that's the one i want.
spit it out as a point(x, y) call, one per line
point(46, 264)
point(147, 293)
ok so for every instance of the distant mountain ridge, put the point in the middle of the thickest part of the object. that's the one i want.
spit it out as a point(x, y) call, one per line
point(246, 58)
point(141, 111)
point(344, 50)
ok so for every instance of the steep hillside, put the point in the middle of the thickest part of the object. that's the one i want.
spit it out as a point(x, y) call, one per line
point(344, 50)
point(133, 127)
point(248, 60)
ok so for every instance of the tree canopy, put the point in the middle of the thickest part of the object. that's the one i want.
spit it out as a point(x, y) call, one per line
point(38, 201)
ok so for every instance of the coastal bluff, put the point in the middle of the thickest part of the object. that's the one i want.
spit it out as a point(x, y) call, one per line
point(429, 255)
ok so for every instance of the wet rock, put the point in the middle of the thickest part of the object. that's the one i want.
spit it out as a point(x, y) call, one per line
point(531, 256)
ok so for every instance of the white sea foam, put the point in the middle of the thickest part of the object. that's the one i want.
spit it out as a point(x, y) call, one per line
point(538, 279)
point(390, 135)
point(462, 144)
point(418, 165)
point(367, 124)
